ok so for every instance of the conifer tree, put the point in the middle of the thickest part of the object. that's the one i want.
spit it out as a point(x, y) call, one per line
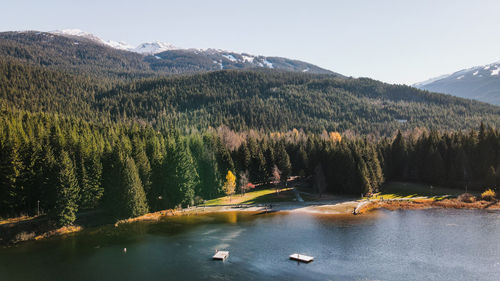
point(91, 188)
point(181, 177)
point(11, 166)
point(283, 161)
point(143, 165)
point(66, 205)
point(398, 157)
point(210, 184)
point(134, 197)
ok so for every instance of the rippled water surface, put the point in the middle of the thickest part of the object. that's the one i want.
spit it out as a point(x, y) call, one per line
point(400, 245)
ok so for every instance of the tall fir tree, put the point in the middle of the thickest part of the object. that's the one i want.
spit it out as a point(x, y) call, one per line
point(67, 189)
point(134, 197)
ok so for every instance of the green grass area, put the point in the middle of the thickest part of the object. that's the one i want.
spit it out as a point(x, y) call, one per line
point(261, 196)
point(394, 190)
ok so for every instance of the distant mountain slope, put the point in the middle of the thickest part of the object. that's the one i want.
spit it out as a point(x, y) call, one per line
point(480, 83)
point(78, 54)
point(193, 60)
point(77, 50)
point(266, 100)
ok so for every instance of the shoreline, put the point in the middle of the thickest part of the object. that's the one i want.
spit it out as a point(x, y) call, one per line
point(331, 208)
point(347, 207)
point(428, 203)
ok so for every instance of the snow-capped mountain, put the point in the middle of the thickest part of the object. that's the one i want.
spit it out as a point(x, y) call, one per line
point(148, 48)
point(479, 82)
point(90, 36)
point(166, 57)
point(151, 48)
point(64, 49)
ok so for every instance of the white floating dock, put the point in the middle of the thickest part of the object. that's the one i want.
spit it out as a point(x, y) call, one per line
point(302, 258)
point(221, 255)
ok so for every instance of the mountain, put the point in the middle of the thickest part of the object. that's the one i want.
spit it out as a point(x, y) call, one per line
point(80, 53)
point(72, 33)
point(79, 75)
point(151, 48)
point(75, 49)
point(480, 83)
point(267, 100)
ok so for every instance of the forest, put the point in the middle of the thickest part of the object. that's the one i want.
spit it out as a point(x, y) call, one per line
point(67, 165)
point(241, 100)
point(84, 127)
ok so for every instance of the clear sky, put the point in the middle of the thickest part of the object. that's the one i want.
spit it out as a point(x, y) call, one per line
point(395, 41)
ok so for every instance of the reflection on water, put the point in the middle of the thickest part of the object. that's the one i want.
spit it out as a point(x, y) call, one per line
point(400, 245)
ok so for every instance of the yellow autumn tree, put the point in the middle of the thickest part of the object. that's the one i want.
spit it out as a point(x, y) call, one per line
point(335, 136)
point(230, 184)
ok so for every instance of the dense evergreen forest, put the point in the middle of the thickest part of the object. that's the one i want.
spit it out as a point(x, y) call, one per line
point(100, 130)
point(68, 164)
point(242, 100)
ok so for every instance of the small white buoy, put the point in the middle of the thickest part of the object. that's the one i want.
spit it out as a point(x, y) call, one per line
point(124, 250)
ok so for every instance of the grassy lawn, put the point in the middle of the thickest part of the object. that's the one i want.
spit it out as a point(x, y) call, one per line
point(394, 190)
point(261, 196)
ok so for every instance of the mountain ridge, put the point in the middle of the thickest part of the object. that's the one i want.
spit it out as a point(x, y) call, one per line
point(479, 82)
point(76, 49)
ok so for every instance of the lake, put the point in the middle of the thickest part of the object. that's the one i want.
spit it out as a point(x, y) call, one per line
point(434, 244)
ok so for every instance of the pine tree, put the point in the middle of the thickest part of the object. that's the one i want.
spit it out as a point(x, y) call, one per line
point(66, 205)
point(283, 162)
point(210, 184)
point(134, 197)
point(143, 165)
point(11, 188)
point(92, 190)
point(181, 177)
point(398, 157)
point(257, 169)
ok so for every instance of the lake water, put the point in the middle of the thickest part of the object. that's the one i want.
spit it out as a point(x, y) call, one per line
point(435, 244)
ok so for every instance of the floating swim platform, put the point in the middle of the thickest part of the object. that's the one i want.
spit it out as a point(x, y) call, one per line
point(301, 258)
point(221, 255)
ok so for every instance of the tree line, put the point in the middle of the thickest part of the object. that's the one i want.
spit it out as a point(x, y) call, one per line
point(67, 165)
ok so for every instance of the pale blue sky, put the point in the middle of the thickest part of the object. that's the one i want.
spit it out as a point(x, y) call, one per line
point(393, 41)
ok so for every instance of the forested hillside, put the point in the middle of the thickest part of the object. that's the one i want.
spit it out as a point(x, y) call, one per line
point(283, 101)
point(79, 54)
point(242, 100)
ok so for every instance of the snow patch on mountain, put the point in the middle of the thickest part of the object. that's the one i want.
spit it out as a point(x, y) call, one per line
point(119, 45)
point(90, 36)
point(148, 48)
point(222, 59)
point(230, 57)
point(151, 48)
point(496, 71)
point(268, 63)
point(247, 58)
